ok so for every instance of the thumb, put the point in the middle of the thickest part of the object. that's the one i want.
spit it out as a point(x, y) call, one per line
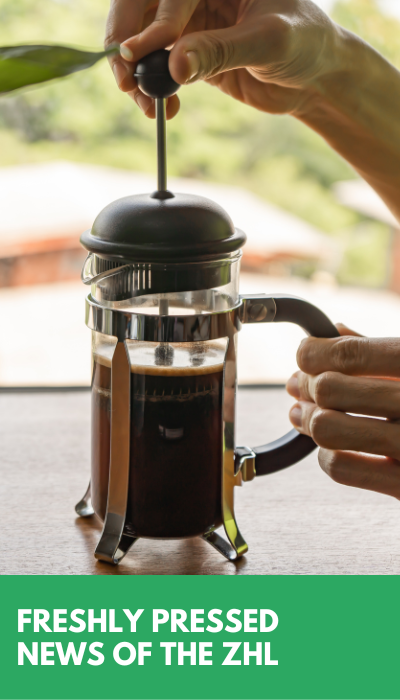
point(203, 55)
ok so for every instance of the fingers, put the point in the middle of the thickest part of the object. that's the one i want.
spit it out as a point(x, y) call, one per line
point(171, 19)
point(334, 430)
point(362, 395)
point(203, 55)
point(362, 471)
point(144, 102)
point(374, 357)
point(173, 106)
point(147, 105)
point(124, 19)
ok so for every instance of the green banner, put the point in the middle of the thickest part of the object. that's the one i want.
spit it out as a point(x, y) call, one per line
point(199, 637)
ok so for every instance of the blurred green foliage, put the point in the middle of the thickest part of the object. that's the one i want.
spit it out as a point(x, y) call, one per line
point(365, 262)
point(86, 118)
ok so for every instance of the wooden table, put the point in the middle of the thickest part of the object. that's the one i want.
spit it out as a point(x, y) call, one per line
point(295, 522)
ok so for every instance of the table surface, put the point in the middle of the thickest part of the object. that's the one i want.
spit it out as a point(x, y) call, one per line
point(295, 522)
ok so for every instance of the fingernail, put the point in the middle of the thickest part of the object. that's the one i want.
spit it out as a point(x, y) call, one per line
point(292, 387)
point(120, 72)
point(126, 53)
point(295, 415)
point(193, 63)
point(143, 101)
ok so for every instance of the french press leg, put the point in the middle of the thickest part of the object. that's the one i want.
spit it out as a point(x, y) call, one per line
point(84, 508)
point(229, 481)
point(236, 546)
point(221, 545)
point(114, 541)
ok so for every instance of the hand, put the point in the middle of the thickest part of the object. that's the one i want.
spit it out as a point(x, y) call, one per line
point(351, 375)
point(265, 53)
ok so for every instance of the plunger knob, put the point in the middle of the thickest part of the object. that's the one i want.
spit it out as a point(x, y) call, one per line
point(153, 76)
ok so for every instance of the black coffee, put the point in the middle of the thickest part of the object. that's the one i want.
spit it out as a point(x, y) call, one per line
point(176, 445)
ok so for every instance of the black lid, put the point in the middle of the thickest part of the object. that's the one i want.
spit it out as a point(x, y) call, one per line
point(146, 228)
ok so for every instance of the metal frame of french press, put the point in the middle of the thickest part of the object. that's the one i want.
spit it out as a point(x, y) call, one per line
point(238, 464)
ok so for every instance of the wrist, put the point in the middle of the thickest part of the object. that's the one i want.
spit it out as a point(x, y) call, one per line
point(354, 105)
point(338, 79)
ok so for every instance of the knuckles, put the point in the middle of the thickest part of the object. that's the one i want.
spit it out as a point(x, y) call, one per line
point(319, 426)
point(331, 462)
point(305, 354)
point(348, 354)
point(323, 389)
point(278, 34)
point(110, 39)
point(215, 55)
point(167, 23)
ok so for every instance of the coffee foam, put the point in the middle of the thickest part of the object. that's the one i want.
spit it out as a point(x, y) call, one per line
point(143, 358)
point(176, 371)
point(103, 355)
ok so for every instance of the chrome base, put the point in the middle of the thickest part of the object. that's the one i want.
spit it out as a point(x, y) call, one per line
point(112, 547)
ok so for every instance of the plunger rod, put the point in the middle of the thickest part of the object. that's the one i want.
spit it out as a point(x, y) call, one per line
point(161, 144)
point(161, 168)
point(163, 306)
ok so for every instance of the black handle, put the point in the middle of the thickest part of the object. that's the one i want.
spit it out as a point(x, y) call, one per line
point(280, 308)
point(303, 314)
point(153, 76)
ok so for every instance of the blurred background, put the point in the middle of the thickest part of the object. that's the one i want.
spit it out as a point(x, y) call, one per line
point(67, 149)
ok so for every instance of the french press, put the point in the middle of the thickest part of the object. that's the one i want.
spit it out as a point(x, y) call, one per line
point(165, 313)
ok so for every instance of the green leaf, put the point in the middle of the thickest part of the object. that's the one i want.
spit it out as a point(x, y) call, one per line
point(28, 65)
